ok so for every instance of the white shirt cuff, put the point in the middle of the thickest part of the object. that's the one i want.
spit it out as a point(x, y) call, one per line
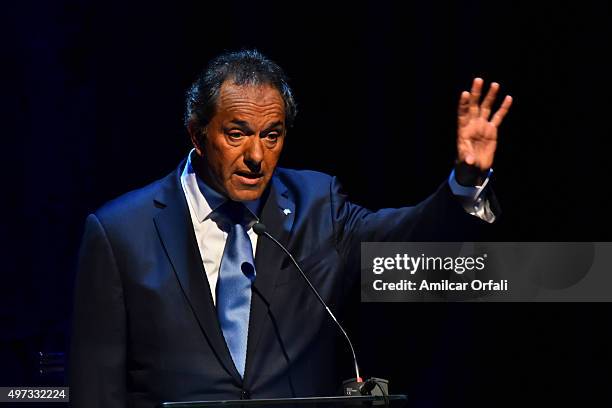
point(472, 198)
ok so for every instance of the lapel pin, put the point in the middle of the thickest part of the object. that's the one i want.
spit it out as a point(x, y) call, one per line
point(287, 211)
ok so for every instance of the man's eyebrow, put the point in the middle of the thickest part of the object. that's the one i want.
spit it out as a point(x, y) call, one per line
point(273, 125)
point(244, 125)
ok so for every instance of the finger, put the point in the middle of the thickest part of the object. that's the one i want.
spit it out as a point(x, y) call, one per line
point(464, 108)
point(485, 108)
point(475, 96)
point(490, 132)
point(502, 111)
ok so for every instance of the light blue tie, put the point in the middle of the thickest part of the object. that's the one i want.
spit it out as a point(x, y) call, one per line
point(236, 274)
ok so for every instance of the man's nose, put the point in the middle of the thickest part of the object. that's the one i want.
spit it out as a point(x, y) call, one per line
point(253, 155)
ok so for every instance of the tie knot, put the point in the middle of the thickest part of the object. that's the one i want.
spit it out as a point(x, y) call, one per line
point(232, 213)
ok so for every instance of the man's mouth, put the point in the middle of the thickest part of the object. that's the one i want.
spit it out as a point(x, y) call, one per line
point(247, 177)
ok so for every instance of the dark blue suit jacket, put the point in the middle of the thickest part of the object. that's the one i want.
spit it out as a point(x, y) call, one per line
point(145, 328)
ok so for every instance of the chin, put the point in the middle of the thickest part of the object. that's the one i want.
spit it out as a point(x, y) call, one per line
point(245, 195)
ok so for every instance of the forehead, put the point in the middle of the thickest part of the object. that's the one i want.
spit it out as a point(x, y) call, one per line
point(250, 102)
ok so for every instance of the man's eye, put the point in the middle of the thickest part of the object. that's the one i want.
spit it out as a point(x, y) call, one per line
point(272, 136)
point(235, 135)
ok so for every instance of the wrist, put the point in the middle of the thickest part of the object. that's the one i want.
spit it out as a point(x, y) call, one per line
point(469, 175)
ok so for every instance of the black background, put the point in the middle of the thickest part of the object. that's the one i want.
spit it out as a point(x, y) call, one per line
point(92, 107)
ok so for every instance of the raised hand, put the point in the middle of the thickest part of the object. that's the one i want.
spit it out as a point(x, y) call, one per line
point(477, 129)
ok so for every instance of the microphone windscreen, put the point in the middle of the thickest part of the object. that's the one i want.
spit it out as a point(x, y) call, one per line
point(259, 228)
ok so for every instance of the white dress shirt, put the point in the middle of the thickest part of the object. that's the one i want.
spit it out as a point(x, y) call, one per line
point(203, 200)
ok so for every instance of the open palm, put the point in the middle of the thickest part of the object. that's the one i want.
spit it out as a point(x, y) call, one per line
point(477, 128)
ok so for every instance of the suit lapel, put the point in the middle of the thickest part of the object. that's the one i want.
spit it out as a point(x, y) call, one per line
point(176, 233)
point(278, 215)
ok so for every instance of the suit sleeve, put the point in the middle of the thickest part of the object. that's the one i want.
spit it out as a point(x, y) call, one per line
point(440, 217)
point(98, 342)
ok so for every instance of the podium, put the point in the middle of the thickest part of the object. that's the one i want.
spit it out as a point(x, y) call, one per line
point(392, 401)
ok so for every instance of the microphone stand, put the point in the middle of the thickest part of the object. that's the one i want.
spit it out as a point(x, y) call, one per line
point(354, 386)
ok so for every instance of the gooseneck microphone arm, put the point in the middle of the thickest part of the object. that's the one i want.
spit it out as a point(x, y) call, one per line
point(260, 229)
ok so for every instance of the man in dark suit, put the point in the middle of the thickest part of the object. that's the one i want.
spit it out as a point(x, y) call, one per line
point(160, 314)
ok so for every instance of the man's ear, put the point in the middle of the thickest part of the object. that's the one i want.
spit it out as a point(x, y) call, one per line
point(197, 135)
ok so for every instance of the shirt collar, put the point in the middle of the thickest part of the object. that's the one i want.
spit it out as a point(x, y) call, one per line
point(204, 199)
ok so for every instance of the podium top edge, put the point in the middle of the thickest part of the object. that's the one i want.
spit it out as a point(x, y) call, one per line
point(276, 401)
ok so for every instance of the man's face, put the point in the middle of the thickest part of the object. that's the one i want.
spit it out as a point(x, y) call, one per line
point(243, 140)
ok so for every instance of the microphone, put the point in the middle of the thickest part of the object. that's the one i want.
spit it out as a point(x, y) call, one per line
point(351, 387)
